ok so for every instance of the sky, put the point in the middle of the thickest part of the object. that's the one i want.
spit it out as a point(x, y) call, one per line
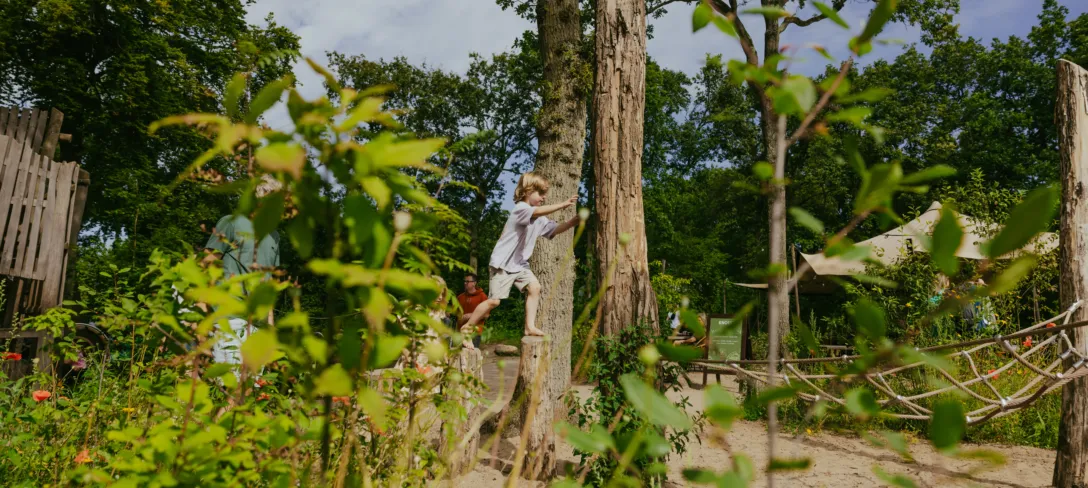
point(443, 33)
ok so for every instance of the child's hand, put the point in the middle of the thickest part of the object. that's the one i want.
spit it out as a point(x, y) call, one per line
point(570, 201)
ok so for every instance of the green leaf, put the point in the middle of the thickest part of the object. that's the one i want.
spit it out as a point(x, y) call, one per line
point(763, 170)
point(870, 319)
point(266, 98)
point(350, 346)
point(597, 441)
point(679, 354)
point(878, 186)
point(260, 348)
point(875, 280)
point(795, 96)
point(233, 95)
point(947, 236)
point(373, 404)
point(807, 220)
point(330, 80)
point(775, 395)
point(854, 115)
point(948, 424)
point(701, 17)
point(280, 157)
point(1012, 275)
point(267, 217)
point(861, 403)
point(387, 350)
point(931, 173)
point(988, 456)
point(413, 153)
point(897, 480)
point(334, 381)
point(831, 14)
point(807, 337)
point(870, 95)
point(770, 12)
point(1029, 218)
point(725, 25)
point(721, 407)
point(880, 16)
point(657, 409)
point(216, 370)
point(691, 321)
point(316, 348)
point(701, 476)
point(789, 464)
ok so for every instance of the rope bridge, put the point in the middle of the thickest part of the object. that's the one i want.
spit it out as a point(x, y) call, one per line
point(1047, 376)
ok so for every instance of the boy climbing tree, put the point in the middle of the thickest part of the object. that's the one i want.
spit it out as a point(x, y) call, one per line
point(509, 263)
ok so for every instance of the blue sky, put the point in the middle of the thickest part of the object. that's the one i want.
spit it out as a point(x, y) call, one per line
point(442, 33)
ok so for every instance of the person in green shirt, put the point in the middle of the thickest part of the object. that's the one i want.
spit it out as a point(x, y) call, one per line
point(233, 241)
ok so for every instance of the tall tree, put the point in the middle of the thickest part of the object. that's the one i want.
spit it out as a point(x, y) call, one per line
point(619, 99)
point(561, 135)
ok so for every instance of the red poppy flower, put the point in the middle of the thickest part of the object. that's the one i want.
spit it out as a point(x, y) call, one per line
point(1027, 342)
point(423, 369)
point(262, 396)
point(11, 356)
point(83, 457)
point(345, 400)
point(41, 395)
point(993, 374)
point(262, 382)
point(1049, 325)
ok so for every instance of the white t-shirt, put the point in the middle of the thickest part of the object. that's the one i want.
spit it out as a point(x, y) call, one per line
point(518, 238)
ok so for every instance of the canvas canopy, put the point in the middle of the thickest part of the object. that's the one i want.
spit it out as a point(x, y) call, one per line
point(888, 248)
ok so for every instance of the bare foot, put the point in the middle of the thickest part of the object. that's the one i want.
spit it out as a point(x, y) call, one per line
point(467, 344)
point(534, 332)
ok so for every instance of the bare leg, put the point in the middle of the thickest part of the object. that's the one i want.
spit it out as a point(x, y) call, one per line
point(532, 301)
point(477, 315)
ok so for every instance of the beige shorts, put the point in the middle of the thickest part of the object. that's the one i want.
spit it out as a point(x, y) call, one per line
point(502, 280)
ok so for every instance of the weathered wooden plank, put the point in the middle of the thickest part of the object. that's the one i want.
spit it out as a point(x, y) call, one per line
point(13, 164)
point(24, 124)
point(10, 122)
point(79, 202)
point(39, 132)
point(14, 216)
point(45, 193)
point(3, 120)
point(52, 133)
point(58, 236)
point(34, 181)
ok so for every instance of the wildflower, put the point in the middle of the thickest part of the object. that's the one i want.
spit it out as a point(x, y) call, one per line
point(41, 395)
point(808, 431)
point(11, 356)
point(83, 457)
point(993, 374)
point(1027, 342)
point(343, 399)
point(128, 409)
point(262, 397)
point(908, 304)
point(423, 369)
point(261, 382)
point(1049, 325)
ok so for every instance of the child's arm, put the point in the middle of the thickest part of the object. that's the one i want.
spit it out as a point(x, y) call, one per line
point(548, 209)
point(565, 226)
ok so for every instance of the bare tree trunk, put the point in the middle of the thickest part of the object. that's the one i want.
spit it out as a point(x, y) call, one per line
point(561, 135)
point(619, 103)
point(1071, 463)
point(778, 294)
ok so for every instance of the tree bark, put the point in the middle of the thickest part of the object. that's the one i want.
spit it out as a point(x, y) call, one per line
point(778, 294)
point(538, 463)
point(561, 136)
point(619, 102)
point(1071, 463)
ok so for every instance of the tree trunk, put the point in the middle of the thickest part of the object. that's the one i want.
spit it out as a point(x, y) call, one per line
point(1071, 463)
point(619, 100)
point(474, 235)
point(537, 463)
point(778, 294)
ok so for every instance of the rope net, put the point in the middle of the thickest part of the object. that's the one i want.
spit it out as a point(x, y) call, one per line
point(902, 391)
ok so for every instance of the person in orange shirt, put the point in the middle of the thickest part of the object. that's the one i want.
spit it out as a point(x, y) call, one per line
point(469, 300)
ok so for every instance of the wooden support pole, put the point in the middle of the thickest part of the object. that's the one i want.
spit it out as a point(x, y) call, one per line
point(1071, 119)
point(537, 444)
point(796, 285)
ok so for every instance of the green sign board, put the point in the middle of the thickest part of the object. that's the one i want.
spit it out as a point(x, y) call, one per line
point(725, 338)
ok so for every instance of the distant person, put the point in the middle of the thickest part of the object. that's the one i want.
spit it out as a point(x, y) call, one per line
point(471, 298)
point(234, 242)
point(509, 263)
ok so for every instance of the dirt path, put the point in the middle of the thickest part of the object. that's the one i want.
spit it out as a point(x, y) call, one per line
point(837, 461)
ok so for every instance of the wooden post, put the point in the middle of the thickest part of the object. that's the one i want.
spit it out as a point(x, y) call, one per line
point(457, 434)
point(535, 459)
point(1071, 118)
point(796, 285)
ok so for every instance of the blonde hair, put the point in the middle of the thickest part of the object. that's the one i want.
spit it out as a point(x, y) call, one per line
point(442, 288)
point(528, 183)
point(269, 184)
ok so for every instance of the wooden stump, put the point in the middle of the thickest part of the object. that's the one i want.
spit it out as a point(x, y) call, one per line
point(537, 412)
point(1071, 117)
point(460, 441)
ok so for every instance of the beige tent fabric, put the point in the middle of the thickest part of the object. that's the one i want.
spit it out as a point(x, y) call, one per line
point(891, 246)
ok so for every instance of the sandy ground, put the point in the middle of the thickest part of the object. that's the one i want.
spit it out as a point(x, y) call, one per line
point(837, 461)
